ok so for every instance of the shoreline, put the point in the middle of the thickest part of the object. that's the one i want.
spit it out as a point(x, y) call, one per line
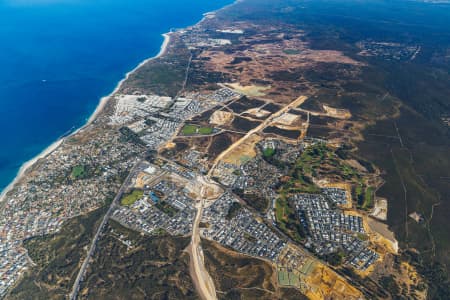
point(104, 99)
point(99, 108)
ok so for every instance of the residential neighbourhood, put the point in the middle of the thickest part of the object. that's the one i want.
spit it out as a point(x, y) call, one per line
point(240, 230)
point(332, 230)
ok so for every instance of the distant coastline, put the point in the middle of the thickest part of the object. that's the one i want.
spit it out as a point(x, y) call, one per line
point(72, 73)
point(99, 108)
point(101, 105)
point(104, 100)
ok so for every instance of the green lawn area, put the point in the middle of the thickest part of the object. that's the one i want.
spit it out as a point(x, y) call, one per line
point(131, 198)
point(368, 198)
point(189, 129)
point(287, 220)
point(78, 172)
point(283, 277)
point(279, 209)
point(205, 130)
point(268, 152)
point(287, 278)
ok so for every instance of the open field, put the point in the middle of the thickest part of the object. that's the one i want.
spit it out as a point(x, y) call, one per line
point(190, 129)
point(243, 152)
point(283, 133)
point(134, 196)
point(245, 104)
point(413, 183)
point(78, 172)
point(287, 220)
point(329, 285)
point(266, 58)
point(220, 143)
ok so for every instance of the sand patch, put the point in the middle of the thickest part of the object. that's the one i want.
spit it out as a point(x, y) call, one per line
point(380, 209)
point(326, 284)
point(385, 237)
point(142, 179)
point(258, 112)
point(243, 152)
point(220, 117)
point(287, 119)
point(202, 188)
point(249, 90)
point(338, 113)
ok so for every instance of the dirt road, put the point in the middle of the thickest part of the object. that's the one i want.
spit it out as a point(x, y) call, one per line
point(297, 102)
point(202, 281)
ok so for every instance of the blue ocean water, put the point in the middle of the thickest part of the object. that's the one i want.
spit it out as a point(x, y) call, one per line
point(59, 57)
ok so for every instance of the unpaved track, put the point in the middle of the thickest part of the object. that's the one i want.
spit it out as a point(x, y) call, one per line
point(200, 276)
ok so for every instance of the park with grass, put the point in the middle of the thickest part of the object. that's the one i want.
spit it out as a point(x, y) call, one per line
point(132, 197)
point(190, 129)
point(268, 153)
point(364, 196)
point(78, 172)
